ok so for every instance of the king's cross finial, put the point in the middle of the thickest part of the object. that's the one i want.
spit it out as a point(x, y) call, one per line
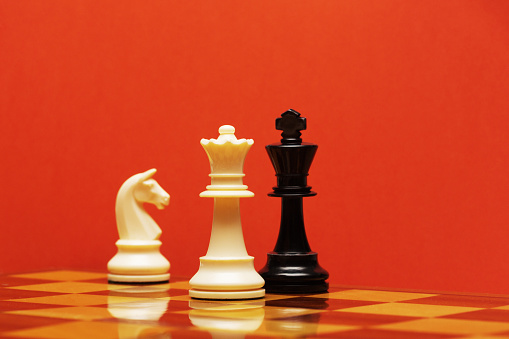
point(291, 124)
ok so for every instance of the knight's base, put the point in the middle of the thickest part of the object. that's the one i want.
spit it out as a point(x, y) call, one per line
point(138, 261)
point(153, 278)
point(294, 273)
point(227, 295)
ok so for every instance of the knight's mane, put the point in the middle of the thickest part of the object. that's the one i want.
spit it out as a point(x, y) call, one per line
point(130, 212)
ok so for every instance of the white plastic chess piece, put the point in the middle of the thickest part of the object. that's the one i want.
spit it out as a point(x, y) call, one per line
point(226, 271)
point(138, 258)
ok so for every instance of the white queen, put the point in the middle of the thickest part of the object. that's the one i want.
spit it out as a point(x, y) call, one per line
point(226, 271)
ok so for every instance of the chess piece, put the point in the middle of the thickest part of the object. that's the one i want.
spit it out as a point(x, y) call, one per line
point(292, 267)
point(138, 258)
point(226, 271)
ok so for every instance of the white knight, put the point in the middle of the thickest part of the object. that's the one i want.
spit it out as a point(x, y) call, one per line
point(138, 258)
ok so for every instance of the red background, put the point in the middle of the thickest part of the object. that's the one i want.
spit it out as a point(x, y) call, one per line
point(407, 100)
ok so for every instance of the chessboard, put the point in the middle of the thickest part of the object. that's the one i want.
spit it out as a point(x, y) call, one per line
point(79, 304)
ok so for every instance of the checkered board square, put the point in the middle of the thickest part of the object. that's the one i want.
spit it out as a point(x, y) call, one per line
point(77, 304)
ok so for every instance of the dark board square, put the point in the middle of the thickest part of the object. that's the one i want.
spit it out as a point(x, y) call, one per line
point(7, 293)
point(10, 322)
point(462, 300)
point(487, 315)
point(360, 319)
point(15, 306)
point(10, 281)
point(382, 334)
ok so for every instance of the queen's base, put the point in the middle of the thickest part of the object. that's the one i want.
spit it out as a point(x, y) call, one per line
point(226, 278)
point(227, 295)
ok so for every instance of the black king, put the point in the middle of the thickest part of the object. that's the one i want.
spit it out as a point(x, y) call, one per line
point(292, 267)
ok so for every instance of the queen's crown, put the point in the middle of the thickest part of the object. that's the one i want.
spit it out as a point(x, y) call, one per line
point(226, 156)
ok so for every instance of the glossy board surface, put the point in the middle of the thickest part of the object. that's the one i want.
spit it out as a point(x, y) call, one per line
point(78, 304)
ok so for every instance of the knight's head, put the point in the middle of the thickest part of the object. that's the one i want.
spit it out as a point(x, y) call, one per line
point(148, 190)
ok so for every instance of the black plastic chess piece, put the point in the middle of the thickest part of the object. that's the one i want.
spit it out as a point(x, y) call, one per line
point(292, 267)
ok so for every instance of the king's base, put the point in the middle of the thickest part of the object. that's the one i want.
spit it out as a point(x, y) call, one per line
point(282, 288)
point(227, 295)
point(294, 273)
point(152, 278)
